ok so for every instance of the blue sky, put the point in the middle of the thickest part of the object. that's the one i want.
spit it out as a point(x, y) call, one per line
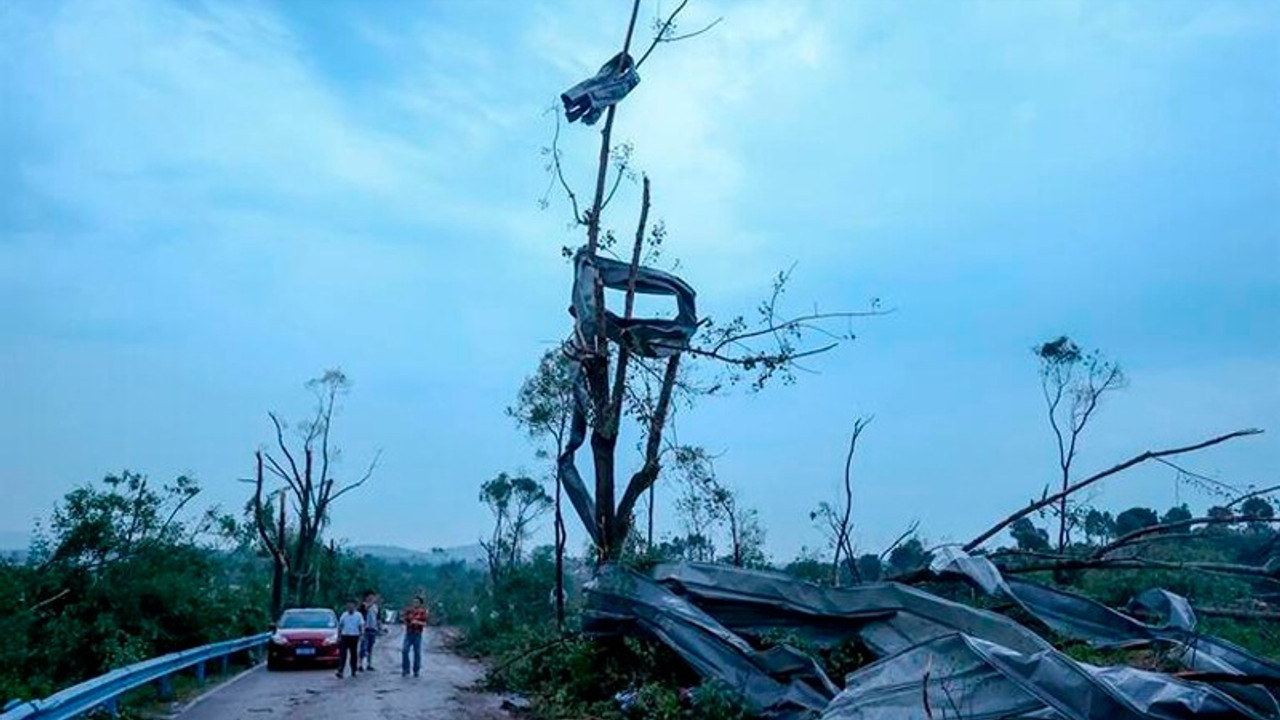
point(204, 204)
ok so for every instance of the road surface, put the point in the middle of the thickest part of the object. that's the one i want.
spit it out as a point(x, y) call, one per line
point(441, 693)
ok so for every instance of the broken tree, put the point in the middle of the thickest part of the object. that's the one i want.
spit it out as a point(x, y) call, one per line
point(609, 346)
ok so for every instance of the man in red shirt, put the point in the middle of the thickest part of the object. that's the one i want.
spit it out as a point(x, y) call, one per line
point(415, 622)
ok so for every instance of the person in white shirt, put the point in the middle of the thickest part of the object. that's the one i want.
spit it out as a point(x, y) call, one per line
point(372, 628)
point(350, 628)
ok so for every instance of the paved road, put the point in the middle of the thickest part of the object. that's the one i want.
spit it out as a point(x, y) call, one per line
point(442, 693)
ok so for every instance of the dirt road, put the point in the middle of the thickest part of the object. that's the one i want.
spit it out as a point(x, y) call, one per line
point(441, 693)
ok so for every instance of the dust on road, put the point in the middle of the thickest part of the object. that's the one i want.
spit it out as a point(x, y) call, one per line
point(441, 693)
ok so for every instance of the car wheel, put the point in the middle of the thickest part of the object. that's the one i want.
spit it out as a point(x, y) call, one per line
point(273, 664)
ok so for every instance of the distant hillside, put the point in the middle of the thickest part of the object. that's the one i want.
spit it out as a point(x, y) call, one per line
point(469, 554)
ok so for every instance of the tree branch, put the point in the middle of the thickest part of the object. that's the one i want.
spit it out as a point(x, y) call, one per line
point(662, 36)
point(1135, 460)
point(283, 447)
point(624, 350)
point(648, 473)
point(1162, 528)
point(1063, 562)
point(368, 473)
point(1252, 494)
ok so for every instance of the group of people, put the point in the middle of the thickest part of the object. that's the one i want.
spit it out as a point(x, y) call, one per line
point(359, 628)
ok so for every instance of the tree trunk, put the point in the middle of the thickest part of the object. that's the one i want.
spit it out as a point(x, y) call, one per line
point(277, 561)
point(560, 538)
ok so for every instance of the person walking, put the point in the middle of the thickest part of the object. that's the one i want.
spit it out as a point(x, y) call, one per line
point(372, 628)
point(415, 622)
point(350, 628)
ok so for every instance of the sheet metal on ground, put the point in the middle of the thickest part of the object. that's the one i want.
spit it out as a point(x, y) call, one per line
point(939, 658)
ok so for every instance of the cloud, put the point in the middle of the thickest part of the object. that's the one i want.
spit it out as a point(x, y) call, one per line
point(154, 113)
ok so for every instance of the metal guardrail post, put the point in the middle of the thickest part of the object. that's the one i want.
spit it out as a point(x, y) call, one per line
point(200, 672)
point(164, 688)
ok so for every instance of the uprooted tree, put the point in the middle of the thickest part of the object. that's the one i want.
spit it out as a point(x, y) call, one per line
point(309, 485)
point(609, 347)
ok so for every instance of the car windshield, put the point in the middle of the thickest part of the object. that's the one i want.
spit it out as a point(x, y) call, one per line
point(308, 619)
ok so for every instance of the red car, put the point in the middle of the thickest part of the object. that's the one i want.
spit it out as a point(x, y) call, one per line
point(304, 636)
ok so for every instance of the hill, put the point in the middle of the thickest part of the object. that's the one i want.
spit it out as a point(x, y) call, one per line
point(467, 554)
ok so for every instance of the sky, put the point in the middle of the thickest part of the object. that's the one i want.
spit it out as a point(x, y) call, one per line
point(205, 204)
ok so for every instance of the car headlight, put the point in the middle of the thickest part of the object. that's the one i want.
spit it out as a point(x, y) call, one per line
point(279, 639)
point(331, 639)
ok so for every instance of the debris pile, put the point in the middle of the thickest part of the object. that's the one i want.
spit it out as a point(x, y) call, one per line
point(937, 658)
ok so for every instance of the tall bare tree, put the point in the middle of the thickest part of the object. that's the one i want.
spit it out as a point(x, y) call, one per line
point(836, 522)
point(307, 472)
point(1073, 383)
point(759, 350)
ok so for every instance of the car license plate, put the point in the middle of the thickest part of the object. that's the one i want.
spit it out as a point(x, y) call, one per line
point(305, 651)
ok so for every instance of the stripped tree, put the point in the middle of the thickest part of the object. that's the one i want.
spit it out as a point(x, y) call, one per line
point(1073, 383)
point(310, 484)
point(608, 346)
point(836, 522)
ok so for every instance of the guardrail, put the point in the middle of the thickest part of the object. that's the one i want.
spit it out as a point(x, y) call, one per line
point(105, 690)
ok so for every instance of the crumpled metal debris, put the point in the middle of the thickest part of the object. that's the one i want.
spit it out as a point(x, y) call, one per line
point(645, 337)
point(1078, 617)
point(938, 658)
point(590, 98)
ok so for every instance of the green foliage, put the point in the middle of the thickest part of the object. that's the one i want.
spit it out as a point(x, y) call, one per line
point(869, 567)
point(608, 678)
point(1099, 524)
point(1028, 536)
point(120, 578)
point(908, 556)
point(1134, 519)
point(515, 503)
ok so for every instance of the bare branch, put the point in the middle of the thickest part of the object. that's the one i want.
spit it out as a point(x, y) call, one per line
point(368, 473)
point(617, 180)
point(648, 473)
point(842, 527)
point(695, 33)
point(1252, 494)
point(1062, 562)
point(1217, 486)
point(663, 35)
point(558, 171)
point(283, 447)
point(1238, 614)
point(263, 535)
point(624, 350)
point(911, 530)
point(1135, 460)
point(1162, 528)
